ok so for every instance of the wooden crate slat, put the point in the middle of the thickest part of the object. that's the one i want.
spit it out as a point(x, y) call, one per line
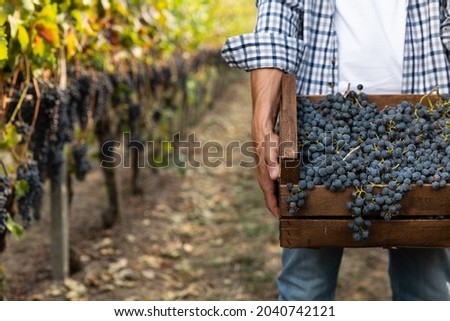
point(310, 233)
point(420, 201)
point(388, 99)
point(288, 116)
point(290, 171)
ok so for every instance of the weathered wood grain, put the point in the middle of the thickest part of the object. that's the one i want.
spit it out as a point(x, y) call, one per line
point(316, 233)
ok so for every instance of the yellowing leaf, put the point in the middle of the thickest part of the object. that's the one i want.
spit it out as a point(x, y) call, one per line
point(48, 31)
point(3, 49)
point(72, 44)
point(82, 24)
point(121, 7)
point(76, 14)
point(49, 12)
point(24, 39)
point(38, 46)
point(3, 45)
point(3, 16)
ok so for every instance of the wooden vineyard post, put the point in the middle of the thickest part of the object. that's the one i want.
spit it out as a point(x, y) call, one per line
point(59, 226)
point(104, 136)
point(137, 162)
point(114, 212)
point(2, 281)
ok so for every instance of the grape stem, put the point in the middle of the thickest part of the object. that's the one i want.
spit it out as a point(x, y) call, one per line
point(3, 167)
point(14, 80)
point(396, 166)
point(427, 96)
point(347, 90)
point(351, 152)
point(377, 185)
point(35, 116)
point(24, 92)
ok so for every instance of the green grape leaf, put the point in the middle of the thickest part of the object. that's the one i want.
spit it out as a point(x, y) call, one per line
point(21, 188)
point(15, 229)
point(24, 39)
point(10, 136)
point(49, 13)
point(76, 14)
point(3, 16)
point(121, 7)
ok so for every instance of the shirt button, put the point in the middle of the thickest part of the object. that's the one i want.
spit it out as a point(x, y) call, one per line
point(333, 61)
point(330, 84)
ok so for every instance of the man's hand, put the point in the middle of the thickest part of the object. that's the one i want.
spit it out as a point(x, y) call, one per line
point(266, 84)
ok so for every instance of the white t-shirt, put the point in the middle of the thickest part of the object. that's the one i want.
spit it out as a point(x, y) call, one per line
point(371, 39)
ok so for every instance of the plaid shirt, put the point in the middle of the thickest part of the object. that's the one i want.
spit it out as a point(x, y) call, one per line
point(298, 37)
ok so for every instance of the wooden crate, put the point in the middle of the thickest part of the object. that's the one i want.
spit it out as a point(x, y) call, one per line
point(322, 222)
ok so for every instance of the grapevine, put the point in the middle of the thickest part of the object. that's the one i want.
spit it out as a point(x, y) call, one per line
point(76, 73)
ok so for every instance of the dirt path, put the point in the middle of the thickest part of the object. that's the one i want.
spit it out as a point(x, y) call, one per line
point(203, 236)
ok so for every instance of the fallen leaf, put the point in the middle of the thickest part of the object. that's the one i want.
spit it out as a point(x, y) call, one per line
point(106, 242)
point(149, 274)
point(117, 266)
point(151, 261)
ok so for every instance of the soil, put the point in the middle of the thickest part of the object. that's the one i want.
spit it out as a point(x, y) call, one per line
point(197, 234)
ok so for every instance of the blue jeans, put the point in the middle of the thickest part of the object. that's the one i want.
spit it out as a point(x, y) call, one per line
point(415, 274)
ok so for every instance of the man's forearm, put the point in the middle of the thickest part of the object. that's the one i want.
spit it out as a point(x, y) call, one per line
point(265, 85)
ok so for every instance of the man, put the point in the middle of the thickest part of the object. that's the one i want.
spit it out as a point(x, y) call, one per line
point(389, 46)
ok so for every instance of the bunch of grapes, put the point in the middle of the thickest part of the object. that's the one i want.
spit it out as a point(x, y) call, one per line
point(61, 127)
point(103, 95)
point(5, 192)
point(30, 204)
point(24, 118)
point(82, 163)
point(347, 142)
point(121, 84)
point(53, 129)
point(80, 97)
point(134, 116)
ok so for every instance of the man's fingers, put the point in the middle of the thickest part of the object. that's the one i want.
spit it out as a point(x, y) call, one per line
point(268, 187)
point(274, 172)
point(271, 200)
point(272, 205)
point(271, 145)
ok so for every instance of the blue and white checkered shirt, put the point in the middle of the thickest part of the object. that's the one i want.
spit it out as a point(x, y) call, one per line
point(299, 37)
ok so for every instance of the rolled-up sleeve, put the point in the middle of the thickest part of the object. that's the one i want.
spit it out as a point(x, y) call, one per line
point(276, 42)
